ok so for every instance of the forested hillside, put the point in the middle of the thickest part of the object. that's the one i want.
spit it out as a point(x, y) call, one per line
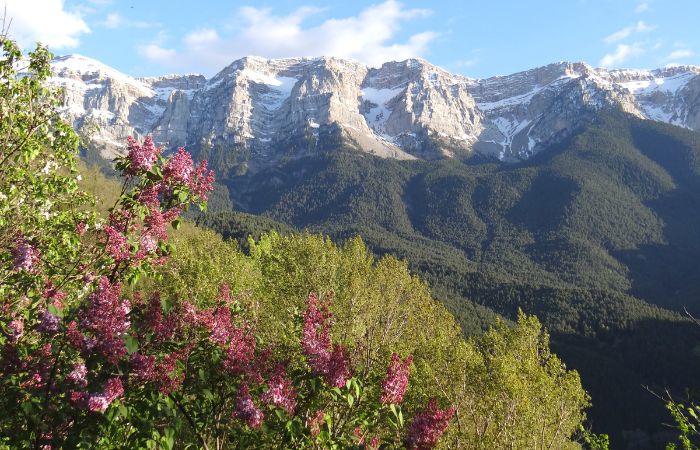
point(597, 236)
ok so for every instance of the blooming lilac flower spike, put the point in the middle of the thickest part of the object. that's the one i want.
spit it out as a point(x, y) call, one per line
point(141, 157)
point(100, 402)
point(246, 409)
point(180, 167)
point(280, 390)
point(16, 328)
point(78, 375)
point(428, 426)
point(48, 323)
point(24, 257)
point(324, 358)
point(396, 381)
point(107, 318)
point(117, 244)
point(338, 367)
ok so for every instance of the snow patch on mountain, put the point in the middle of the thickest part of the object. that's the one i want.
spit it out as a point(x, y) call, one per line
point(406, 110)
point(378, 111)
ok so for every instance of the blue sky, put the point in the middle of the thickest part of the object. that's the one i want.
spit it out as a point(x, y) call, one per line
point(474, 38)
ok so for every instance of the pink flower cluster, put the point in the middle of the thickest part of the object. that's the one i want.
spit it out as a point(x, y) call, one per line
point(48, 323)
point(162, 327)
point(78, 376)
point(280, 390)
point(180, 169)
point(165, 374)
point(53, 294)
point(100, 401)
point(220, 325)
point(324, 358)
point(80, 228)
point(24, 256)
point(107, 319)
point(117, 244)
point(396, 381)
point(428, 426)
point(141, 157)
point(142, 366)
point(245, 409)
point(16, 330)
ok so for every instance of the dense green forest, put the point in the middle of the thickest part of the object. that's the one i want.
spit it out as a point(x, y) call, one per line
point(599, 236)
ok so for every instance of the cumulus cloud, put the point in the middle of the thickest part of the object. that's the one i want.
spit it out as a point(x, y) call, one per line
point(54, 26)
point(639, 27)
point(366, 37)
point(622, 53)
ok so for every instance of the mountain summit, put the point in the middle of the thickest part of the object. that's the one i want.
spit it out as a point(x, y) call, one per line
point(258, 110)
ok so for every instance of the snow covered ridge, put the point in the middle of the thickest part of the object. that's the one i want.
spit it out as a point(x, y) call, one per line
point(411, 109)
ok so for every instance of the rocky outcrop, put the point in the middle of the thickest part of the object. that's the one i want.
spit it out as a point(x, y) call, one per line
point(256, 111)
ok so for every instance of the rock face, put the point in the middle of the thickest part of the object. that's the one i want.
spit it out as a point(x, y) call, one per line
point(256, 111)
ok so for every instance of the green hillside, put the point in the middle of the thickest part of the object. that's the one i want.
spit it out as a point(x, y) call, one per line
point(598, 236)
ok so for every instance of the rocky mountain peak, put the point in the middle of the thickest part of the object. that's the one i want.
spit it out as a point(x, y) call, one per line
point(257, 110)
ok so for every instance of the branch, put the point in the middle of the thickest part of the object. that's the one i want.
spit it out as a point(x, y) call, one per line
point(190, 421)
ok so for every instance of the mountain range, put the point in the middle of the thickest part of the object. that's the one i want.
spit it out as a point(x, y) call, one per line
point(256, 111)
point(569, 192)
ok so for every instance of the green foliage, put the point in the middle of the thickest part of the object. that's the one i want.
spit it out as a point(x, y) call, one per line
point(514, 392)
point(39, 197)
point(687, 418)
point(595, 441)
point(588, 235)
point(380, 307)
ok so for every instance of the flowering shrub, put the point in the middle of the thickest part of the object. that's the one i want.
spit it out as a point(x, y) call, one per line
point(86, 362)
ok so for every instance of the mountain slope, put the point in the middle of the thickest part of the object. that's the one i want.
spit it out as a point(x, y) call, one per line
point(595, 211)
point(585, 234)
point(256, 111)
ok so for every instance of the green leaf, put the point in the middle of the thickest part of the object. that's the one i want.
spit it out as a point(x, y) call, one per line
point(392, 407)
point(55, 311)
point(132, 344)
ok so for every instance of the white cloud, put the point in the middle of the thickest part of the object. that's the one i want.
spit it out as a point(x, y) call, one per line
point(116, 20)
point(622, 53)
point(639, 27)
point(641, 7)
point(464, 63)
point(46, 21)
point(113, 20)
point(366, 37)
point(155, 52)
point(202, 37)
point(680, 54)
